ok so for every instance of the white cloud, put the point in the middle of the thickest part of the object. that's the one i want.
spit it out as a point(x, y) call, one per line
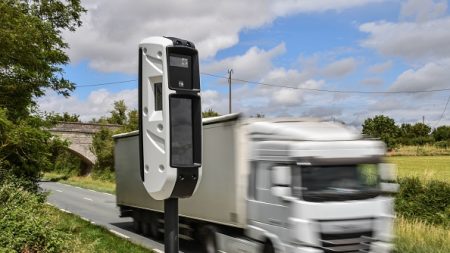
point(323, 112)
point(99, 103)
point(380, 67)
point(250, 66)
point(212, 99)
point(113, 28)
point(423, 10)
point(409, 40)
point(372, 81)
point(433, 75)
point(286, 7)
point(340, 68)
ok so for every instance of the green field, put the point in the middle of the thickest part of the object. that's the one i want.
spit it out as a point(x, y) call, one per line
point(424, 167)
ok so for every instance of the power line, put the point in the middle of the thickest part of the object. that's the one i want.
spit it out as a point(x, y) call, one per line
point(443, 112)
point(101, 84)
point(285, 86)
point(327, 90)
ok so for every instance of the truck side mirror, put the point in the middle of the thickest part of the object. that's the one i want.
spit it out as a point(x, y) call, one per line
point(388, 175)
point(281, 181)
point(387, 171)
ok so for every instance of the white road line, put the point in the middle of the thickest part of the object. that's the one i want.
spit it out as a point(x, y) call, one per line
point(59, 191)
point(93, 223)
point(50, 204)
point(109, 194)
point(91, 190)
point(84, 219)
point(119, 234)
point(88, 199)
point(158, 251)
point(64, 210)
point(78, 187)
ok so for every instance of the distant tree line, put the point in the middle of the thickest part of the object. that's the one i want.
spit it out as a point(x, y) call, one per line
point(393, 135)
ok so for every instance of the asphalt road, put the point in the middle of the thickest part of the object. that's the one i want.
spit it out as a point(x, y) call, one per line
point(100, 209)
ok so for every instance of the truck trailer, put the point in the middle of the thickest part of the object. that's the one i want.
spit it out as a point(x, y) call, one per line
point(272, 185)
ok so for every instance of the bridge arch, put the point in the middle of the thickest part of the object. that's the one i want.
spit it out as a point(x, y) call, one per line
point(80, 137)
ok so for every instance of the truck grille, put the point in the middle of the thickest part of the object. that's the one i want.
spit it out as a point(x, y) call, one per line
point(351, 242)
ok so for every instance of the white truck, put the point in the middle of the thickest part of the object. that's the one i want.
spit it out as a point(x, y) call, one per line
point(273, 185)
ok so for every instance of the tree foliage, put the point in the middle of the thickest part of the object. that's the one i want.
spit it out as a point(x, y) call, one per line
point(25, 147)
point(210, 113)
point(33, 50)
point(103, 144)
point(119, 114)
point(386, 129)
point(54, 118)
point(442, 133)
point(381, 127)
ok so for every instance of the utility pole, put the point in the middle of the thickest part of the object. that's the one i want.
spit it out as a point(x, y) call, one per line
point(230, 71)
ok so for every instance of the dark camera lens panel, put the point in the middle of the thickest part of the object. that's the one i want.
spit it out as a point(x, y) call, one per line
point(180, 71)
point(180, 61)
point(182, 141)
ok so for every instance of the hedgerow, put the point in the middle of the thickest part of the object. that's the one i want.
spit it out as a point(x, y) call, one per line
point(428, 201)
point(24, 224)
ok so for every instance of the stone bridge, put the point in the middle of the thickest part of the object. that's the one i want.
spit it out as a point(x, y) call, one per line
point(80, 136)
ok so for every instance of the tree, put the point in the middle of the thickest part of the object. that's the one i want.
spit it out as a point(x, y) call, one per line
point(119, 114)
point(103, 148)
point(441, 133)
point(421, 130)
point(132, 121)
point(381, 127)
point(33, 50)
point(25, 148)
point(65, 117)
point(417, 134)
point(210, 113)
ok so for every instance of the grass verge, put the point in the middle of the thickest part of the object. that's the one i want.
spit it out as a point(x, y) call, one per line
point(85, 182)
point(424, 167)
point(425, 150)
point(86, 237)
point(418, 237)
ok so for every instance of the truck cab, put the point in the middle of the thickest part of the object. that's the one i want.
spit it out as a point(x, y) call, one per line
point(316, 187)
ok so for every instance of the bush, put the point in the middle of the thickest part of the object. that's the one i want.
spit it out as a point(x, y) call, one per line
point(24, 223)
point(428, 201)
point(442, 144)
point(103, 148)
point(25, 147)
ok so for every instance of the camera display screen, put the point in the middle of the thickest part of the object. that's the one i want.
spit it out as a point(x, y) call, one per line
point(177, 61)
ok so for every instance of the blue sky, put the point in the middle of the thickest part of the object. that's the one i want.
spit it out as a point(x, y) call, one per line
point(365, 45)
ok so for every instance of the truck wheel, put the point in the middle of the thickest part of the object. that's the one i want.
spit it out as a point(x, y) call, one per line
point(154, 228)
point(209, 242)
point(268, 247)
point(145, 228)
point(137, 226)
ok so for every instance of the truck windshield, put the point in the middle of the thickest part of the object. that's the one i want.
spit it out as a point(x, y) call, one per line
point(334, 183)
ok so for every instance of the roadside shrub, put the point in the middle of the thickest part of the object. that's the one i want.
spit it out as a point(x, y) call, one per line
point(24, 223)
point(25, 147)
point(103, 148)
point(427, 201)
point(442, 144)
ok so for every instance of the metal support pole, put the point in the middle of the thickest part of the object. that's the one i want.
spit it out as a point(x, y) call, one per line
point(230, 71)
point(171, 225)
